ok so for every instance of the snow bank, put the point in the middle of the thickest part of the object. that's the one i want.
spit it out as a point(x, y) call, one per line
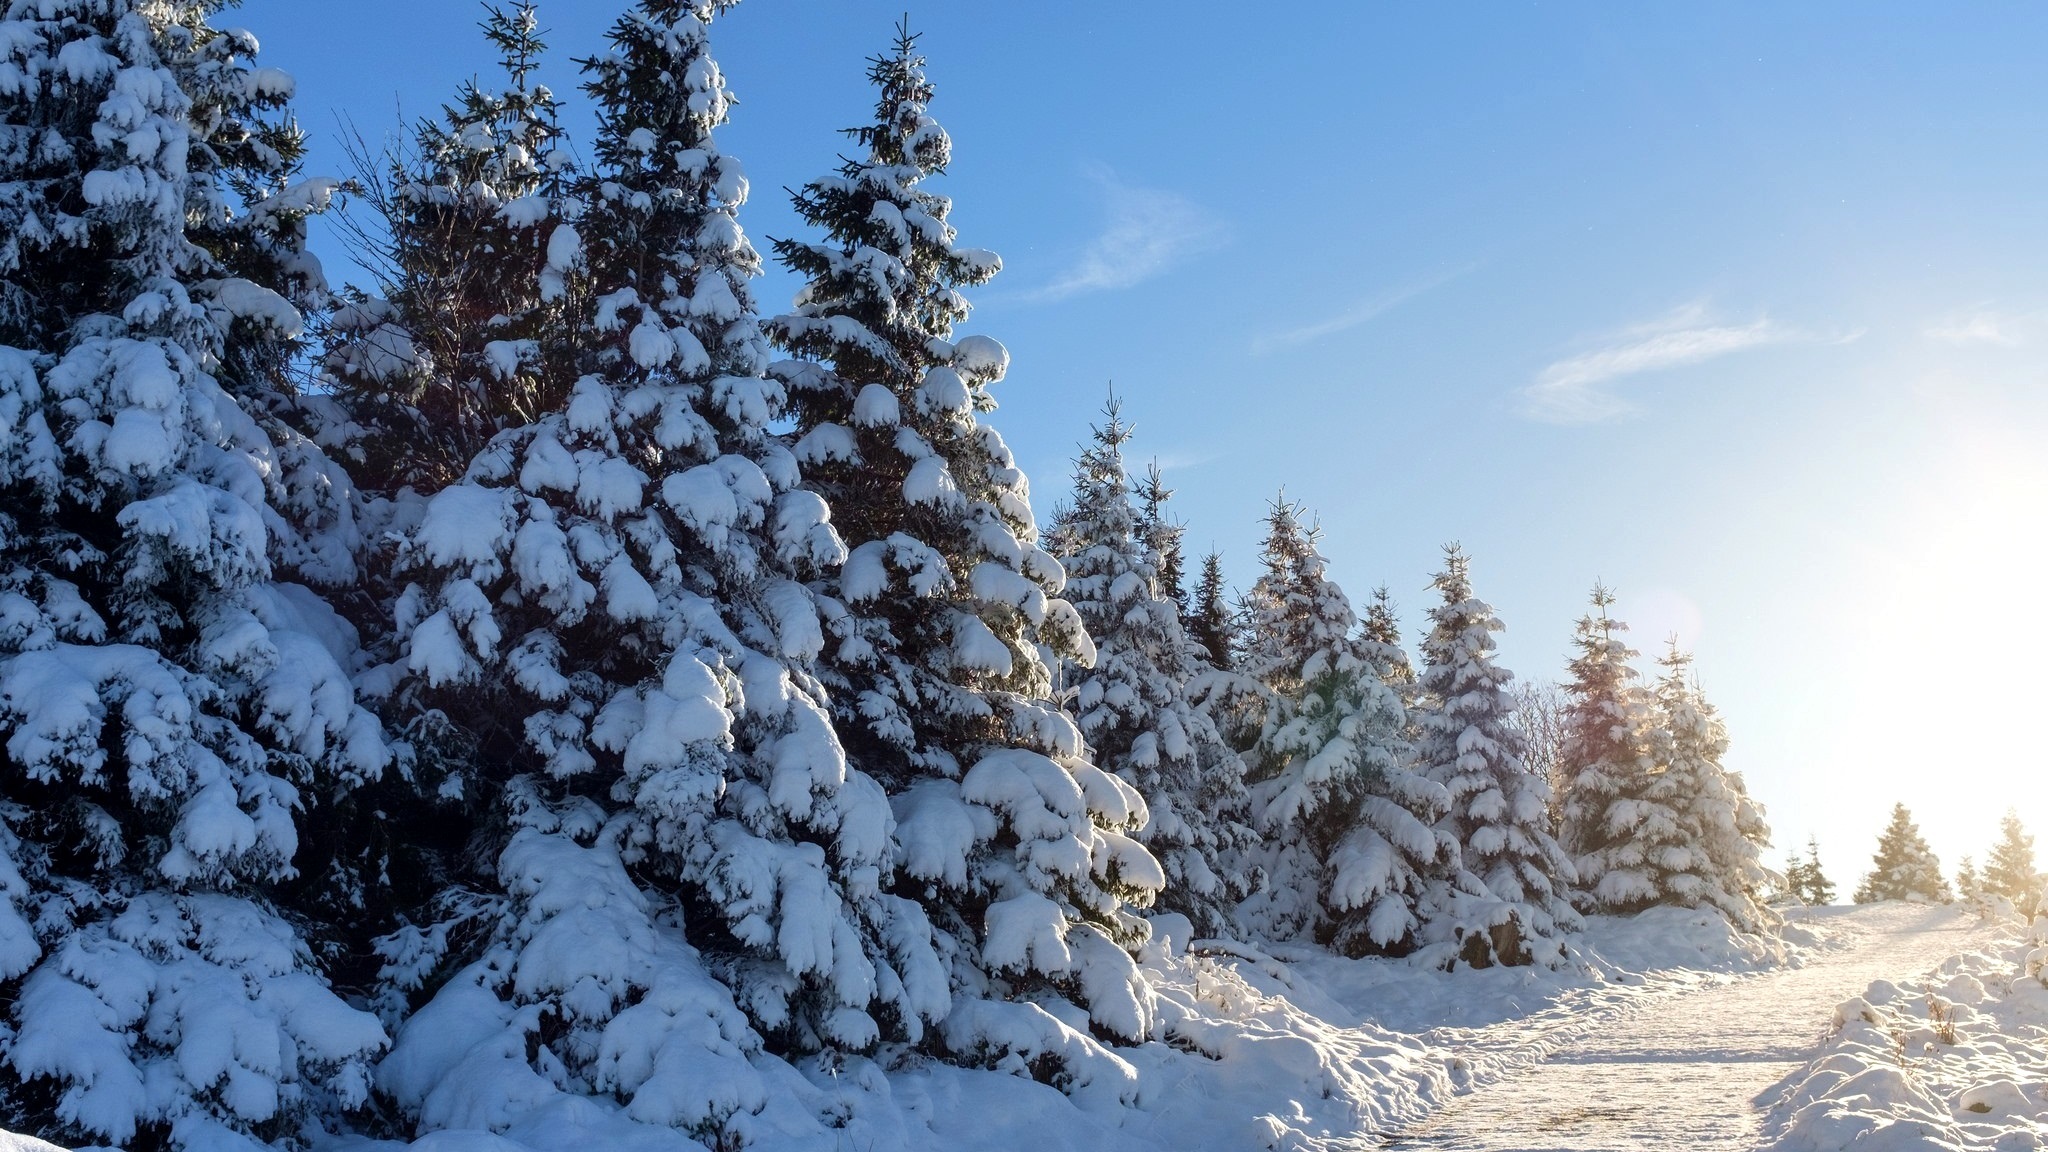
point(1955, 1061)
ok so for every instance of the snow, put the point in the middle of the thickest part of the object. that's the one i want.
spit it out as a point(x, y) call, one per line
point(1953, 1058)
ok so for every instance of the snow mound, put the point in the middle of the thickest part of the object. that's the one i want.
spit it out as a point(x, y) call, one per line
point(1953, 1061)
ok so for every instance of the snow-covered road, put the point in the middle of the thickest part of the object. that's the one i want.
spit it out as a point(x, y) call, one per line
point(1688, 1071)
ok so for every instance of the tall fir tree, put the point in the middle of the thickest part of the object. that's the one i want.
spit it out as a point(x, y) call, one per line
point(174, 687)
point(2009, 867)
point(1210, 622)
point(1132, 704)
point(1904, 867)
point(1615, 833)
point(1511, 904)
point(1351, 847)
point(945, 620)
point(1722, 829)
point(613, 607)
point(475, 253)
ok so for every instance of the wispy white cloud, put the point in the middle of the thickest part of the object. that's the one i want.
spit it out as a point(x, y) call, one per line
point(1359, 313)
point(1145, 232)
point(1573, 390)
point(1984, 326)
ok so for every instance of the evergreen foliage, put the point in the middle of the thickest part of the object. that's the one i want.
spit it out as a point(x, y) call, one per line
point(1722, 830)
point(1510, 902)
point(1132, 704)
point(1615, 832)
point(174, 686)
point(1350, 850)
point(946, 617)
point(1810, 883)
point(2009, 867)
point(1210, 623)
point(1904, 867)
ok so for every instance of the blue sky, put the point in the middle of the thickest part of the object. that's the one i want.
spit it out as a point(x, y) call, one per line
point(1737, 307)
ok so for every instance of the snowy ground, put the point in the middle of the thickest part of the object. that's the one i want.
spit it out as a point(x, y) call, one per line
point(1693, 1068)
point(1669, 1019)
point(1955, 1060)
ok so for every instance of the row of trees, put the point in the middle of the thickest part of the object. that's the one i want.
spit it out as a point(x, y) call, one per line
point(1905, 868)
point(584, 685)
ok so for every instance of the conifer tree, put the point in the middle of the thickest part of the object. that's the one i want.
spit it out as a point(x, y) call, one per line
point(1351, 850)
point(1614, 832)
point(1904, 867)
point(1162, 536)
point(1382, 629)
point(1132, 704)
point(1969, 886)
point(1721, 829)
point(946, 613)
point(613, 605)
point(174, 686)
point(1210, 623)
point(2009, 868)
point(475, 251)
point(1816, 888)
point(1793, 884)
point(1510, 905)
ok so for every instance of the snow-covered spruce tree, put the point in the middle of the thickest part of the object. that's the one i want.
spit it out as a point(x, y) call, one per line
point(173, 687)
point(1511, 904)
point(474, 253)
point(1349, 844)
point(1381, 628)
point(612, 606)
point(945, 618)
point(1616, 835)
point(2009, 867)
point(1132, 704)
point(1210, 622)
point(1722, 831)
point(472, 248)
point(1904, 867)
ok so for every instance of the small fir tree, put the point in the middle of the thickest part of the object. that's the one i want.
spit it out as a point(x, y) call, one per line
point(1969, 885)
point(1815, 887)
point(1512, 905)
point(1904, 867)
point(2009, 868)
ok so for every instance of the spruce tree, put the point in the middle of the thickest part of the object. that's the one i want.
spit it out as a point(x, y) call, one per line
point(1721, 829)
point(1969, 885)
point(2009, 868)
point(1793, 881)
point(1816, 888)
point(1210, 623)
point(475, 253)
point(1132, 704)
point(946, 617)
point(1614, 832)
point(1381, 628)
point(1511, 903)
point(174, 687)
point(1904, 867)
point(1350, 847)
point(1162, 536)
point(612, 605)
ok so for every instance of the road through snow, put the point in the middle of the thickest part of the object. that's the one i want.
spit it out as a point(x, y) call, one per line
point(1688, 1071)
